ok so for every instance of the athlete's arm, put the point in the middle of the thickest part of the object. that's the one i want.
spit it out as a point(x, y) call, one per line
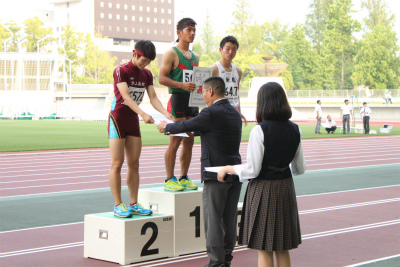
point(156, 103)
point(215, 71)
point(123, 89)
point(167, 65)
point(239, 70)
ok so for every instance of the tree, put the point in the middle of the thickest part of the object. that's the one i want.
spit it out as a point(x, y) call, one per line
point(207, 36)
point(376, 63)
point(72, 41)
point(304, 61)
point(12, 45)
point(35, 31)
point(377, 14)
point(316, 22)
point(97, 64)
point(241, 19)
point(155, 70)
point(338, 41)
point(274, 35)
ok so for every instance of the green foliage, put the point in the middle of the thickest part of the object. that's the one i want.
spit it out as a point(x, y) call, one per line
point(35, 31)
point(338, 42)
point(155, 70)
point(287, 79)
point(274, 35)
point(81, 79)
point(97, 64)
point(12, 45)
point(72, 41)
point(376, 63)
point(377, 14)
point(242, 18)
point(304, 61)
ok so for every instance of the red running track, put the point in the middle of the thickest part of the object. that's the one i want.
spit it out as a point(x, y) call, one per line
point(28, 173)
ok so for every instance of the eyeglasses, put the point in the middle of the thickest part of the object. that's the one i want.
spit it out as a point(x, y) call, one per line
point(204, 90)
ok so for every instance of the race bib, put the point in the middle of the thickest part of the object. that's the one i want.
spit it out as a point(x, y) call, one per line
point(136, 94)
point(231, 90)
point(187, 76)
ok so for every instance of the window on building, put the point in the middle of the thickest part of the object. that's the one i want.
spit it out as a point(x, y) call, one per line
point(110, 28)
point(162, 1)
point(140, 19)
point(162, 10)
point(148, 19)
point(133, 30)
point(169, 1)
point(169, 33)
point(133, 18)
point(102, 4)
point(125, 6)
point(117, 28)
point(155, 10)
point(102, 27)
point(140, 30)
point(118, 16)
point(162, 21)
point(155, 20)
point(169, 21)
point(148, 31)
point(155, 31)
point(110, 16)
point(125, 17)
point(102, 15)
point(125, 29)
point(140, 8)
point(162, 32)
point(117, 5)
point(133, 7)
point(169, 11)
point(110, 5)
point(148, 9)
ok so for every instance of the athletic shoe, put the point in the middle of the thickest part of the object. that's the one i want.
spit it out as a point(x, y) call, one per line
point(122, 211)
point(138, 209)
point(188, 184)
point(173, 185)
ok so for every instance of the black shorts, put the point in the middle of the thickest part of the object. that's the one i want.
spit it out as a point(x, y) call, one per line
point(178, 106)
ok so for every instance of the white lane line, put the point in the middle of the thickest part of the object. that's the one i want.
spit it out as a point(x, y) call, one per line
point(373, 261)
point(304, 237)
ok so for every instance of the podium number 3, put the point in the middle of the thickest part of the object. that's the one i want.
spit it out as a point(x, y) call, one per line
point(196, 214)
point(145, 250)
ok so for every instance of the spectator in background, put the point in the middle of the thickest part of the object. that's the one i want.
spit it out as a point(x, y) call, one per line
point(318, 114)
point(345, 113)
point(389, 97)
point(330, 125)
point(365, 112)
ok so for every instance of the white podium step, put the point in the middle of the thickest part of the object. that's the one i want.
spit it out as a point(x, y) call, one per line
point(128, 240)
point(187, 208)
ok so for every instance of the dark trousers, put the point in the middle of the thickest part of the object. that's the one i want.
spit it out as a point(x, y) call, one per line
point(332, 129)
point(346, 118)
point(366, 124)
point(220, 220)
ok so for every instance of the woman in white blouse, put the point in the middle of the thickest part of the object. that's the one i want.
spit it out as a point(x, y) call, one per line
point(270, 218)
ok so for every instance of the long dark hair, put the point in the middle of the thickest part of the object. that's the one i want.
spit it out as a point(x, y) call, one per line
point(272, 103)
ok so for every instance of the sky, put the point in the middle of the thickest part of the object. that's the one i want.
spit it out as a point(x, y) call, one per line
point(287, 11)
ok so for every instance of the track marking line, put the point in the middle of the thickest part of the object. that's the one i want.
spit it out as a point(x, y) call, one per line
point(373, 261)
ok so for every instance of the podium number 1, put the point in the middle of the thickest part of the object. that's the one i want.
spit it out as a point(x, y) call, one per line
point(196, 214)
point(145, 250)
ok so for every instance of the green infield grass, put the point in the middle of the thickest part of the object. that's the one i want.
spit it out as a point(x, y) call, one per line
point(32, 135)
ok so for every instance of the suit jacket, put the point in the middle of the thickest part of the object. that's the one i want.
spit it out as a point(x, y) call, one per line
point(220, 127)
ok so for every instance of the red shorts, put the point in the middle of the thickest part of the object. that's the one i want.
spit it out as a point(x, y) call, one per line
point(121, 125)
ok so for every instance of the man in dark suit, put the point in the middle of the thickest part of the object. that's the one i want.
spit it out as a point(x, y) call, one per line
point(220, 127)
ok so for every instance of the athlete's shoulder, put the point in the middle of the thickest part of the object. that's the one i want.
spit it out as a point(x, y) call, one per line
point(215, 69)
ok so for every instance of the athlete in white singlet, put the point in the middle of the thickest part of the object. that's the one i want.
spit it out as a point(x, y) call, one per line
point(229, 72)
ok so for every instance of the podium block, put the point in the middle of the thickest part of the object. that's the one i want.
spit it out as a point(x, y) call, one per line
point(127, 240)
point(187, 208)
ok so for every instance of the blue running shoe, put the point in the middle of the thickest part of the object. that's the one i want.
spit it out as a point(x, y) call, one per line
point(138, 209)
point(122, 211)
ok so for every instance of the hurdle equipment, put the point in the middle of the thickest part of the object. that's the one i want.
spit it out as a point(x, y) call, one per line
point(128, 240)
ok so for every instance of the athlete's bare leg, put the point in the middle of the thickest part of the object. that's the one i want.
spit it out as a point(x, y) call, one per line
point(170, 153)
point(133, 148)
point(186, 153)
point(117, 159)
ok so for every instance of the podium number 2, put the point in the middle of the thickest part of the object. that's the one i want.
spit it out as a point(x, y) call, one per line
point(196, 214)
point(145, 250)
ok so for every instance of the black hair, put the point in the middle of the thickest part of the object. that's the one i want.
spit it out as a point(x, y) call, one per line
point(345, 100)
point(318, 101)
point(147, 47)
point(272, 103)
point(229, 39)
point(181, 25)
point(217, 84)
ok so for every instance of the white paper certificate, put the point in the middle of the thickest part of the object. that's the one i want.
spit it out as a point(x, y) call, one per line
point(159, 118)
point(200, 74)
